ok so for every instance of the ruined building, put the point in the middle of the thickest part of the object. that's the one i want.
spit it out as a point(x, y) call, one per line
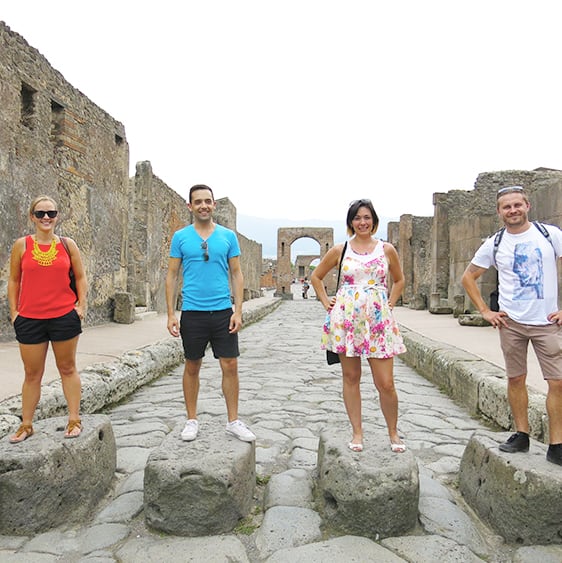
point(436, 250)
point(55, 141)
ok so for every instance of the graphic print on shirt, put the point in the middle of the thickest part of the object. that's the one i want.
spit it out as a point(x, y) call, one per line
point(528, 267)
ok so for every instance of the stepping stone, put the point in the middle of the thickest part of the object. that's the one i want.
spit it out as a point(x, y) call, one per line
point(373, 493)
point(519, 495)
point(199, 488)
point(48, 480)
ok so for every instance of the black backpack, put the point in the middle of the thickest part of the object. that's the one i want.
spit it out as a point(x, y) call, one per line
point(494, 296)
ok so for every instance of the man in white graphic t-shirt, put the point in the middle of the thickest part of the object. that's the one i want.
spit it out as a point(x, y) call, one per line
point(525, 257)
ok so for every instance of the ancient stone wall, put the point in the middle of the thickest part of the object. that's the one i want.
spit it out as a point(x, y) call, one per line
point(302, 265)
point(269, 273)
point(54, 140)
point(250, 261)
point(157, 213)
point(251, 251)
point(461, 221)
point(411, 237)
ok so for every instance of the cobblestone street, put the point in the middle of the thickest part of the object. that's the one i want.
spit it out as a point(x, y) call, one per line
point(288, 396)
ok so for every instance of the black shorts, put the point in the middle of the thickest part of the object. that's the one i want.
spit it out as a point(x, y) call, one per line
point(199, 328)
point(36, 331)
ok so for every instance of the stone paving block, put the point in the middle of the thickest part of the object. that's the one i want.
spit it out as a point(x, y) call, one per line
point(373, 493)
point(218, 549)
point(287, 526)
point(349, 549)
point(430, 548)
point(519, 495)
point(289, 488)
point(199, 488)
point(47, 480)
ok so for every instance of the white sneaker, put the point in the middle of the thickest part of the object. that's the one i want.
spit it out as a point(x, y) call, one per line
point(190, 430)
point(240, 430)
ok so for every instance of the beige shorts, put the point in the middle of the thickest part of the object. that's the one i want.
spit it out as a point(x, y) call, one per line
point(546, 341)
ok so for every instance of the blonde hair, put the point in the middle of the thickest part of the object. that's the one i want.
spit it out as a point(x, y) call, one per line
point(38, 199)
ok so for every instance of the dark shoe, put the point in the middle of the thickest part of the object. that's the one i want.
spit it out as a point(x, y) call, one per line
point(554, 454)
point(518, 442)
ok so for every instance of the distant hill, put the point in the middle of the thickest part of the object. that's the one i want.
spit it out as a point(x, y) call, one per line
point(264, 231)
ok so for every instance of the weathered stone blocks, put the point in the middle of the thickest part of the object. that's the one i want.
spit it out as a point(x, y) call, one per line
point(373, 493)
point(202, 487)
point(519, 495)
point(124, 311)
point(47, 480)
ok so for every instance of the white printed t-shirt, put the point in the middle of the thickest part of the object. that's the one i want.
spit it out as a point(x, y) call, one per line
point(526, 264)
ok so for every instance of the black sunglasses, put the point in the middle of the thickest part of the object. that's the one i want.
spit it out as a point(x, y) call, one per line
point(51, 214)
point(204, 247)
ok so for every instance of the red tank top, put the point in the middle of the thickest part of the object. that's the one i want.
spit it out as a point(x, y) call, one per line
point(45, 286)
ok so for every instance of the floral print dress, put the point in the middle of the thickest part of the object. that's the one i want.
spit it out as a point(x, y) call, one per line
point(361, 322)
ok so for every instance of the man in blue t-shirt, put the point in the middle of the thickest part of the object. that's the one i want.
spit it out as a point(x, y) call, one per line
point(207, 254)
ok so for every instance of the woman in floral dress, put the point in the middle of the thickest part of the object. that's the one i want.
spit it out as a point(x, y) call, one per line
point(360, 323)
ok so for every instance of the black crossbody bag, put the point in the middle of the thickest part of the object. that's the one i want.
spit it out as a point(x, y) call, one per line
point(332, 357)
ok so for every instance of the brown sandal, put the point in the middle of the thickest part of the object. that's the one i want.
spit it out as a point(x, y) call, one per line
point(22, 433)
point(73, 425)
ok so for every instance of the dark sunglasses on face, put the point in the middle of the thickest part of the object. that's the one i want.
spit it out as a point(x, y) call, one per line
point(51, 214)
point(206, 254)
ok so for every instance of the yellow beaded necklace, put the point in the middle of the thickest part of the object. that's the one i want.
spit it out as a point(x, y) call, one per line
point(44, 258)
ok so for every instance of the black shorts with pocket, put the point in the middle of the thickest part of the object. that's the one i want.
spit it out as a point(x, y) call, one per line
point(199, 328)
point(36, 331)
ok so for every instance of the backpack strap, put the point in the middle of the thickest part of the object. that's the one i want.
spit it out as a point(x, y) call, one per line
point(542, 229)
point(497, 240)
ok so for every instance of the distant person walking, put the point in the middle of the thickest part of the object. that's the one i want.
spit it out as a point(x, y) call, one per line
point(525, 258)
point(305, 288)
point(43, 309)
point(207, 253)
point(360, 323)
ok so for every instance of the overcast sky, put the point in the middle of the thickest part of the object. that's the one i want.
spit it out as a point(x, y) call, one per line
point(294, 108)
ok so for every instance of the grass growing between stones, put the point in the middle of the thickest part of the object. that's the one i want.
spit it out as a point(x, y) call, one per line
point(248, 525)
point(262, 480)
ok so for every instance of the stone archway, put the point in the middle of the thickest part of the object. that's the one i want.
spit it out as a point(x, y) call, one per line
point(286, 236)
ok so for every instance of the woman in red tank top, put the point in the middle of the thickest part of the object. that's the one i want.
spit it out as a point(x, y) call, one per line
point(44, 308)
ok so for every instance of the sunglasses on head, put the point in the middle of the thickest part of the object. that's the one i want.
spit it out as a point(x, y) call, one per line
point(510, 190)
point(205, 249)
point(360, 202)
point(51, 214)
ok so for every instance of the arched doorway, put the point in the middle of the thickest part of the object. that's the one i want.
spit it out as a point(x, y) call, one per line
point(324, 236)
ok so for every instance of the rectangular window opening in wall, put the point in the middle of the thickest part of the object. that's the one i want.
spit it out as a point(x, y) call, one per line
point(57, 122)
point(118, 140)
point(27, 105)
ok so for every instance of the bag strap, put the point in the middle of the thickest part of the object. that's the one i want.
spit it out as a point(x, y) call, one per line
point(341, 260)
point(542, 229)
point(64, 243)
